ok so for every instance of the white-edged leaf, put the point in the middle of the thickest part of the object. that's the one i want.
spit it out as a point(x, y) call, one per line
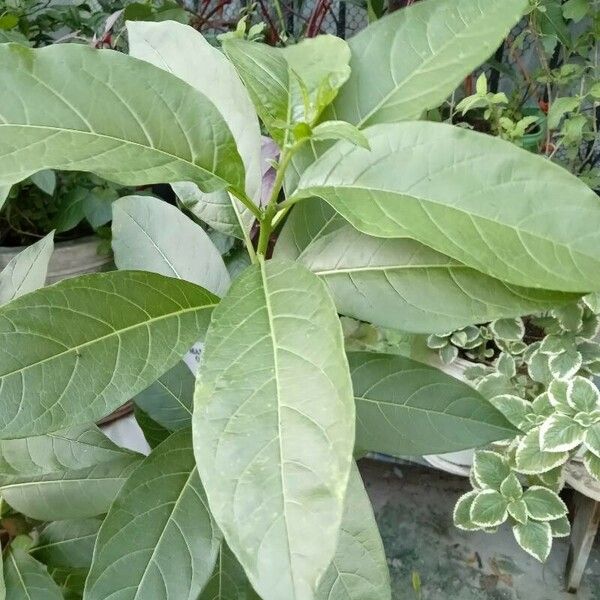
point(517, 509)
point(71, 495)
point(592, 464)
point(559, 433)
point(531, 460)
point(68, 106)
point(592, 439)
point(535, 538)
point(406, 408)
point(359, 568)
point(150, 235)
point(558, 395)
point(544, 504)
point(461, 515)
point(582, 395)
point(566, 364)
point(403, 284)
point(490, 469)
point(561, 527)
point(412, 60)
point(27, 271)
point(511, 487)
point(78, 447)
point(169, 400)
point(514, 408)
point(27, 579)
point(281, 377)
point(477, 198)
point(489, 509)
point(158, 540)
point(73, 352)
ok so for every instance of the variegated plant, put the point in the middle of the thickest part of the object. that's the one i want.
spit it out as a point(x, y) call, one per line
point(385, 217)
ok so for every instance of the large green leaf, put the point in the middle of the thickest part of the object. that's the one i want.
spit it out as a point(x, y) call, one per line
point(70, 449)
point(184, 52)
point(476, 198)
point(406, 408)
point(27, 579)
point(228, 581)
point(27, 271)
point(154, 433)
point(413, 59)
point(403, 284)
point(359, 568)
point(158, 540)
point(67, 544)
point(151, 235)
point(272, 76)
point(70, 495)
point(274, 426)
point(68, 106)
point(169, 400)
point(73, 352)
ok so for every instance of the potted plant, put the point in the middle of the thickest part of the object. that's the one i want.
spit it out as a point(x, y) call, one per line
point(259, 480)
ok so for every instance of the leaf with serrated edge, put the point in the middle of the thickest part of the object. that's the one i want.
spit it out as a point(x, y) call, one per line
point(531, 460)
point(490, 469)
point(461, 515)
point(27, 579)
point(561, 527)
point(281, 375)
point(27, 271)
point(408, 408)
point(402, 284)
point(158, 540)
point(359, 568)
point(412, 60)
point(143, 239)
point(535, 538)
point(559, 433)
point(489, 509)
point(181, 50)
point(512, 407)
point(73, 352)
point(582, 395)
point(544, 504)
point(518, 511)
point(479, 199)
point(54, 115)
point(78, 447)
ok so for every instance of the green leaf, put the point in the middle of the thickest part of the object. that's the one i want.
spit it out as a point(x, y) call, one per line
point(510, 330)
point(489, 509)
point(70, 449)
point(544, 504)
point(462, 512)
point(169, 400)
point(517, 509)
point(407, 408)
point(281, 377)
point(154, 433)
point(158, 540)
point(359, 568)
point(515, 409)
point(228, 581)
point(535, 538)
point(575, 9)
point(490, 469)
point(558, 395)
point(531, 460)
point(561, 527)
point(45, 180)
point(592, 464)
point(560, 433)
point(27, 271)
point(4, 191)
point(592, 439)
point(402, 284)
point(511, 487)
point(412, 60)
point(565, 364)
point(67, 544)
point(99, 339)
point(559, 108)
point(70, 581)
point(183, 51)
point(582, 395)
point(27, 579)
point(340, 130)
point(451, 201)
point(55, 102)
point(71, 495)
point(144, 239)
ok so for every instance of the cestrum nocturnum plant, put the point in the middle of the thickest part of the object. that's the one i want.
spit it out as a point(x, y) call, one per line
point(251, 488)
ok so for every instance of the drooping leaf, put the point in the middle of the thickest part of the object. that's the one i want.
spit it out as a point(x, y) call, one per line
point(67, 544)
point(70, 449)
point(71, 495)
point(169, 400)
point(158, 540)
point(150, 235)
point(154, 433)
point(412, 60)
point(54, 115)
point(280, 378)
point(403, 284)
point(406, 408)
point(27, 271)
point(359, 568)
point(476, 198)
point(73, 352)
point(184, 52)
point(535, 538)
point(27, 579)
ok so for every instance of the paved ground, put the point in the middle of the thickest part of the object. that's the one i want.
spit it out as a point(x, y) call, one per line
point(414, 505)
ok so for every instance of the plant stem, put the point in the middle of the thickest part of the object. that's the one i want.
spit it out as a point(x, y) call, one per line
point(247, 202)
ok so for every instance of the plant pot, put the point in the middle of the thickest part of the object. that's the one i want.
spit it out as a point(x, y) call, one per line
point(69, 258)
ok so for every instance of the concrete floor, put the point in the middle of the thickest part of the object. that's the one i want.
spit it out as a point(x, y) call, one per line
point(414, 506)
